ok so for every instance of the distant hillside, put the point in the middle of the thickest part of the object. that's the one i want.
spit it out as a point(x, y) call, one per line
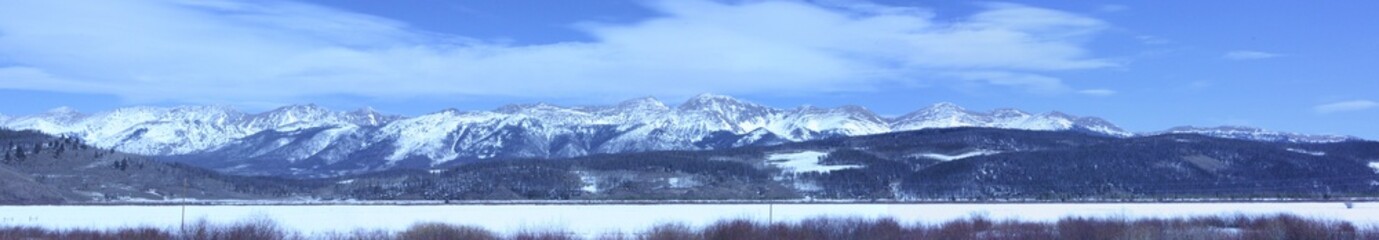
point(966, 164)
point(936, 164)
point(36, 168)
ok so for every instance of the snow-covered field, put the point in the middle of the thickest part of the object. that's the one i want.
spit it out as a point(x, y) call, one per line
point(596, 219)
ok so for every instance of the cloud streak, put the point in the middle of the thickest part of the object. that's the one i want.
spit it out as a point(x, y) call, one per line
point(1248, 55)
point(229, 51)
point(1345, 106)
point(1098, 92)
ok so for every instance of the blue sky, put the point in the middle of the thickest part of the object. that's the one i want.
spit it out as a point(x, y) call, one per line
point(1145, 65)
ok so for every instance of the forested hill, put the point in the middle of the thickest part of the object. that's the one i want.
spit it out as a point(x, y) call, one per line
point(963, 164)
point(40, 169)
point(938, 164)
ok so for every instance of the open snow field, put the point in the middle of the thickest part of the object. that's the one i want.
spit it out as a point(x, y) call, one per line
point(595, 219)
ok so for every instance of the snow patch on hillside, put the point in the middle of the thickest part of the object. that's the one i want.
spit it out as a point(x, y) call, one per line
point(803, 162)
point(591, 182)
point(681, 182)
point(944, 157)
point(1304, 151)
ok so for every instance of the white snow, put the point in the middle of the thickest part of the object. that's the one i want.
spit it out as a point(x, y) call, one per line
point(176, 130)
point(1303, 151)
point(802, 162)
point(591, 220)
point(591, 182)
point(948, 115)
point(682, 182)
point(944, 157)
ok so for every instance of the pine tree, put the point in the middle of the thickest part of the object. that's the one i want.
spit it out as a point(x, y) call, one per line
point(122, 164)
point(60, 148)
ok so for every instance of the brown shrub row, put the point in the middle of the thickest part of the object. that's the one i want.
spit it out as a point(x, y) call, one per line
point(976, 227)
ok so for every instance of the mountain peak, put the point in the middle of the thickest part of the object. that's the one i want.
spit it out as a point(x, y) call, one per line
point(708, 101)
point(941, 109)
point(301, 106)
point(643, 103)
point(707, 96)
point(298, 110)
point(530, 107)
point(945, 106)
point(366, 110)
point(1008, 113)
point(845, 109)
point(449, 110)
point(1058, 114)
point(204, 108)
point(854, 108)
point(367, 116)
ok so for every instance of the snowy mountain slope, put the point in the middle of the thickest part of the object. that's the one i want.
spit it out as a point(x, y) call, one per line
point(645, 124)
point(185, 129)
point(56, 120)
point(312, 140)
point(810, 122)
point(948, 115)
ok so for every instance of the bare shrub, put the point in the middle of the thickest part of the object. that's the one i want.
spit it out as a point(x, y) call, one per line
point(1372, 232)
point(199, 229)
point(439, 231)
point(23, 232)
point(613, 236)
point(542, 235)
point(147, 233)
point(1020, 230)
point(360, 234)
point(670, 232)
point(261, 228)
point(885, 228)
point(977, 227)
point(1090, 228)
point(735, 230)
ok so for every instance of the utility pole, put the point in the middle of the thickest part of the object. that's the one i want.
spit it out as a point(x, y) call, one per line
point(770, 214)
point(184, 206)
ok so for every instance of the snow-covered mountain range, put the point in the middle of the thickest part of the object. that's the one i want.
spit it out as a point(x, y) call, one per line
point(311, 140)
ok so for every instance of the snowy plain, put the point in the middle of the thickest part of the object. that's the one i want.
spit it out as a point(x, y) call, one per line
point(590, 220)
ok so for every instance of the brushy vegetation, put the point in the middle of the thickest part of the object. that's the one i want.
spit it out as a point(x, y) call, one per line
point(976, 227)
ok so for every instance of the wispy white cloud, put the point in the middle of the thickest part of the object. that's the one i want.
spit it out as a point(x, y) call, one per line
point(1152, 40)
point(1111, 8)
point(1345, 106)
point(1033, 83)
point(1098, 92)
point(229, 51)
point(1248, 55)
